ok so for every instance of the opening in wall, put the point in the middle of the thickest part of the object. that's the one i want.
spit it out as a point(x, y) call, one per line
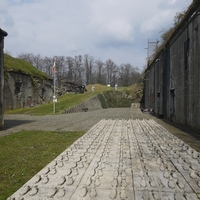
point(18, 87)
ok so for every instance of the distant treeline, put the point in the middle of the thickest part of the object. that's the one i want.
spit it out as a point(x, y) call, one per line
point(84, 69)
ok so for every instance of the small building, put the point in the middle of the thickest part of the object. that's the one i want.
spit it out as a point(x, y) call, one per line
point(172, 80)
point(2, 35)
point(22, 90)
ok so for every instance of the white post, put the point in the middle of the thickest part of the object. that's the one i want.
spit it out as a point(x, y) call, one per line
point(93, 88)
point(116, 86)
point(54, 86)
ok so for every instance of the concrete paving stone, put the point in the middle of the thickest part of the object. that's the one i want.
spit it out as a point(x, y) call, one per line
point(120, 160)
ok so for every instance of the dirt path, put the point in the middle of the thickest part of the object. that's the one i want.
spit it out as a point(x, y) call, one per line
point(83, 121)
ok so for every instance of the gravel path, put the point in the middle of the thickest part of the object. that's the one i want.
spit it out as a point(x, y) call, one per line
point(83, 121)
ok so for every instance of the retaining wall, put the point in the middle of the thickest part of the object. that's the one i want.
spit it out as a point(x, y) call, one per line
point(21, 90)
point(90, 104)
point(172, 84)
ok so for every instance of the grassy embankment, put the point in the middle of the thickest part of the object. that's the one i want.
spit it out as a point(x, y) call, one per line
point(107, 95)
point(18, 65)
point(114, 99)
point(64, 102)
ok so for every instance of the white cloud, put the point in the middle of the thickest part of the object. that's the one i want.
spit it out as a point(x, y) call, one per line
point(157, 22)
point(115, 29)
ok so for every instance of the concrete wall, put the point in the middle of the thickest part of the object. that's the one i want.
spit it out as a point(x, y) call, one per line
point(2, 35)
point(172, 81)
point(23, 91)
point(90, 104)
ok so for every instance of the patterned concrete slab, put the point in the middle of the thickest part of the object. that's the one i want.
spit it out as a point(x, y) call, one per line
point(120, 159)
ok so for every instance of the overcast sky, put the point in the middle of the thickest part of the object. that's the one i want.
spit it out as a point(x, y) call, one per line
point(105, 29)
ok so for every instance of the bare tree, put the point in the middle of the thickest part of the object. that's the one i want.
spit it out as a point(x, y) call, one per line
point(38, 62)
point(135, 75)
point(47, 65)
point(85, 69)
point(111, 69)
point(78, 70)
point(100, 72)
point(128, 75)
point(70, 67)
point(125, 72)
point(28, 57)
point(60, 68)
point(89, 64)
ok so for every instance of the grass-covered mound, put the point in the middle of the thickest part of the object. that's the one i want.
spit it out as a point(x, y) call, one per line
point(108, 97)
point(21, 66)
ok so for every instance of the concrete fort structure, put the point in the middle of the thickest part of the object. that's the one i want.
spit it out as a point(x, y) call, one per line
point(21, 90)
point(172, 83)
point(2, 35)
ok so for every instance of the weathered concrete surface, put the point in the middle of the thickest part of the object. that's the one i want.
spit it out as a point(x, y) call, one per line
point(120, 159)
point(88, 105)
point(172, 78)
point(21, 90)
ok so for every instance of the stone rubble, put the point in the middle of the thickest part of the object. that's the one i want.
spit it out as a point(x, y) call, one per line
point(120, 160)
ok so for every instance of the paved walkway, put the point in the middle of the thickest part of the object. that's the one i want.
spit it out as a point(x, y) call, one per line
point(120, 159)
point(85, 120)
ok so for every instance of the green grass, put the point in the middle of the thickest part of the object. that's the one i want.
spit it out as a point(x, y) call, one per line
point(18, 65)
point(23, 154)
point(64, 102)
point(69, 100)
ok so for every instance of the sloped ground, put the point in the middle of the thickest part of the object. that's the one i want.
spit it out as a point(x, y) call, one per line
point(120, 159)
point(88, 105)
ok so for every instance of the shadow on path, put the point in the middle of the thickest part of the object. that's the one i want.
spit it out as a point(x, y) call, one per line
point(11, 123)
